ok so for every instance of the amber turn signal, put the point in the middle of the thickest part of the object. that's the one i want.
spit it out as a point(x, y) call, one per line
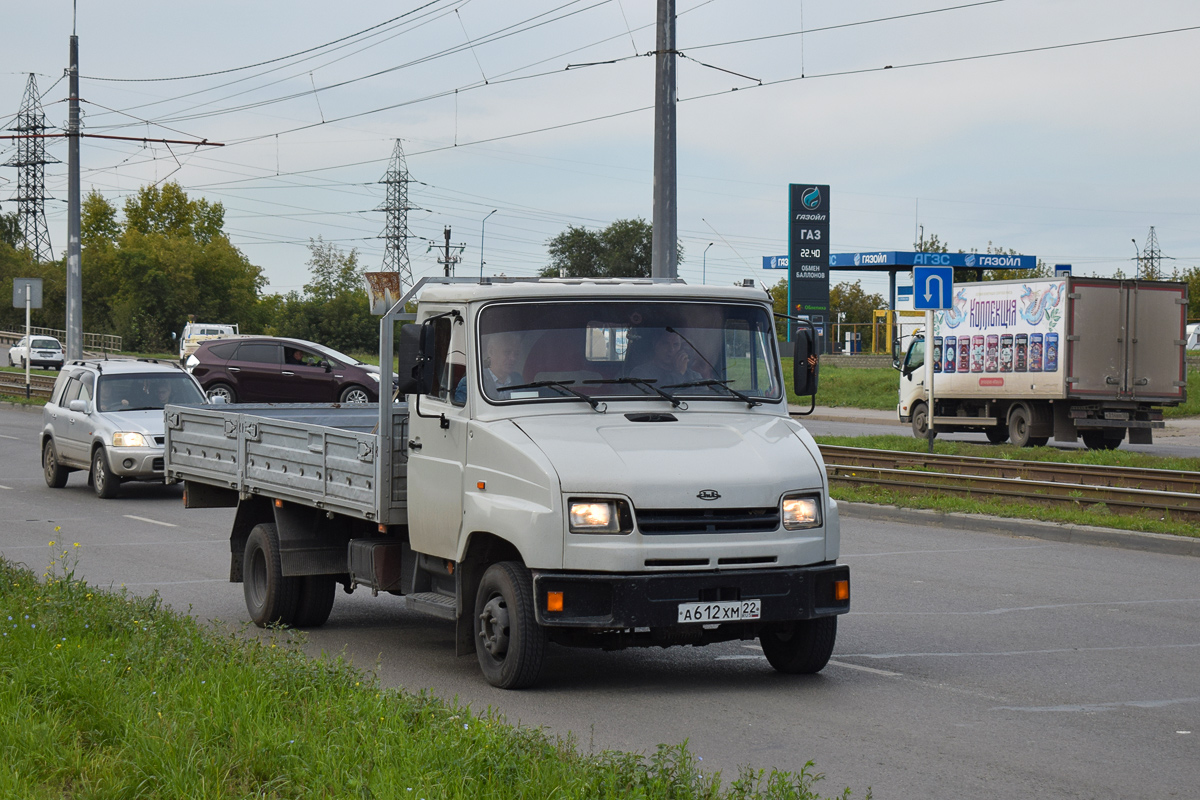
point(841, 590)
point(554, 601)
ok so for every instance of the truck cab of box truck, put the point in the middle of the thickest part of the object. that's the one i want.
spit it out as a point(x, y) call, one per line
point(613, 464)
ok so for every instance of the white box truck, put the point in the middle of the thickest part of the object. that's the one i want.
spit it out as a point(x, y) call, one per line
point(601, 464)
point(1071, 358)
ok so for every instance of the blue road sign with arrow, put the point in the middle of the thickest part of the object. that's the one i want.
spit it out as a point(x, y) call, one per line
point(933, 288)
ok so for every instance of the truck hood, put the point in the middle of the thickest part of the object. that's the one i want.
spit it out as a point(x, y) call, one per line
point(749, 460)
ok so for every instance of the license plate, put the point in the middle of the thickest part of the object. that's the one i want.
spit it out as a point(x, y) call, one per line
point(722, 611)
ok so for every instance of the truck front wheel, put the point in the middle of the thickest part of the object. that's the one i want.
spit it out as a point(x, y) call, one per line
point(801, 647)
point(270, 597)
point(920, 421)
point(508, 640)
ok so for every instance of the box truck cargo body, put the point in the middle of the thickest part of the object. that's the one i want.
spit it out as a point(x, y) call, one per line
point(1070, 357)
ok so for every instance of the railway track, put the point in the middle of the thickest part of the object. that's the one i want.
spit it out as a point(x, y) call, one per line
point(1120, 489)
point(13, 383)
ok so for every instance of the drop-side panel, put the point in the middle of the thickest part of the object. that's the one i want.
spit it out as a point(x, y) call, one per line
point(202, 446)
point(1097, 339)
point(1158, 326)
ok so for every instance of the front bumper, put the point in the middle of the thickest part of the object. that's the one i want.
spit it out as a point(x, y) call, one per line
point(136, 463)
point(601, 601)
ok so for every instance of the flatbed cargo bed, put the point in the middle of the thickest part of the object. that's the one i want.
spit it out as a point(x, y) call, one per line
point(319, 455)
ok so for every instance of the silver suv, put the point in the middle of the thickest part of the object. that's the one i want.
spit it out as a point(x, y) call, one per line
point(107, 417)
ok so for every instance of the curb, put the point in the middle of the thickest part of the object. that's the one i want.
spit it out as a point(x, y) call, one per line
point(1026, 528)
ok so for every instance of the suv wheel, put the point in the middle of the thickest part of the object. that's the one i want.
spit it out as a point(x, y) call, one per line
point(104, 482)
point(56, 473)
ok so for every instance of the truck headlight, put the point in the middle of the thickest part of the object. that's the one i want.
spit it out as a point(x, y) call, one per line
point(800, 512)
point(129, 439)
point(599, 516)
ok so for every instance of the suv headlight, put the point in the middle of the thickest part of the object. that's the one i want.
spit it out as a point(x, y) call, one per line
point(801, 511)
point(599, 516)
point(129, 439)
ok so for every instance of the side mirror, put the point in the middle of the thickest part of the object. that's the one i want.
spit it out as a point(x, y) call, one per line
point(174, 336)
point(410, 357)
point(218, 400)
point(895, 354)
point(806, 363)
point(324, 363)
point(78, 405)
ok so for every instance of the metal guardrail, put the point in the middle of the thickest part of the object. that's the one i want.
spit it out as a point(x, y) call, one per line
point(104, 342)
point(1120, 489)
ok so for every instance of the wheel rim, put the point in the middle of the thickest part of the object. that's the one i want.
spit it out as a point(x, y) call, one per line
point(493, 627)
point(98, 476)
point(221, 391)
point(49, 462)
point(258, 578)
point(356, 396)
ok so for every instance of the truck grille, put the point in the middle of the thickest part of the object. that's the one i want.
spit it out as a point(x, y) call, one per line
point(667, 521)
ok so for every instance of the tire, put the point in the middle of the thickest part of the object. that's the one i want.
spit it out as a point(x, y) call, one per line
point(1038, 441)
point(104, 482)
point(314, 601)
point(55, 473)
point(920, 421)
point(355, 394)
point(1018, 427)
point(1096, 440)
point(997, 435)
point(222, 390)
point(270, 597)
point(510, 644)
point(802, 647)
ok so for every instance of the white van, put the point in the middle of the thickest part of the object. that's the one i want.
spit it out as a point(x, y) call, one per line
point(196, 332)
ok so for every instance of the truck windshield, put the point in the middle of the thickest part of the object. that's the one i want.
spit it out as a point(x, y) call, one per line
point(627, 350)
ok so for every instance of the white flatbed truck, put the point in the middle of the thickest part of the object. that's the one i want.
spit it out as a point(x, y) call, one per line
point(545, 479)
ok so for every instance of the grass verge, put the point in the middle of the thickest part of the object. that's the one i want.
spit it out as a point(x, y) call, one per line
point(111, 695)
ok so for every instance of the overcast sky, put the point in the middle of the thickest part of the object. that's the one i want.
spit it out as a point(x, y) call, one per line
point(1063, 152)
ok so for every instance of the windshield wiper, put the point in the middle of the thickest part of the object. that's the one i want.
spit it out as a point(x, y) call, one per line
point(564, 386)
point(749, 401)
point(642, 383)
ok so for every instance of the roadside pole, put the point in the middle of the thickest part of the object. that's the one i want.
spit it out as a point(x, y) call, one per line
point(926, 299)
point(929, 432)
point(28, 338)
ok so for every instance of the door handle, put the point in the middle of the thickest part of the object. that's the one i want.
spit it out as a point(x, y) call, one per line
point(235, 369)
point(414, 444)
point(285, 372)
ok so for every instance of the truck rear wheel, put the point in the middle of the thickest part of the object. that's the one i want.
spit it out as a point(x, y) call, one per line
point(270, 597)
point(801, 647)
point(1096, 440)
point(997, 435)
point(508, 640)
point(1018, 427)
point(315, 600)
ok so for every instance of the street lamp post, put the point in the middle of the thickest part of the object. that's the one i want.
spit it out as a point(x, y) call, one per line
point(1137, 260)
point(481, 231)
point(704, 265)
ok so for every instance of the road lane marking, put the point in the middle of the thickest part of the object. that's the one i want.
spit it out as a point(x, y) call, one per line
point(2, 486)
point(151, 521)
point(1022, 608)
point(1047, 651)
point(886, 673)
point(6, 436)
point(1093, 707)
point(740, 658)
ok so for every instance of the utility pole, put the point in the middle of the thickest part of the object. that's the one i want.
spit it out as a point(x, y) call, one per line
point(450, 261)
point(74, 324)
point(664, 248)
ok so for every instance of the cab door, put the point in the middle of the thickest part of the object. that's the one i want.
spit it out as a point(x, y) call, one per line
point(437, 446)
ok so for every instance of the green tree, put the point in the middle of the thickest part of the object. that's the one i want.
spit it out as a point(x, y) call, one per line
point(853, 303)
point(169, 259)
point(622, 250)
point(10, 229)
point(332, 309)
point(1191, 276)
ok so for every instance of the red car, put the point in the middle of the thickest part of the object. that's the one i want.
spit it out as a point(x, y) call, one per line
point(264, 369)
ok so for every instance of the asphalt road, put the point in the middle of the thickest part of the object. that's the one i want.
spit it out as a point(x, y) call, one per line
point(972, 664)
